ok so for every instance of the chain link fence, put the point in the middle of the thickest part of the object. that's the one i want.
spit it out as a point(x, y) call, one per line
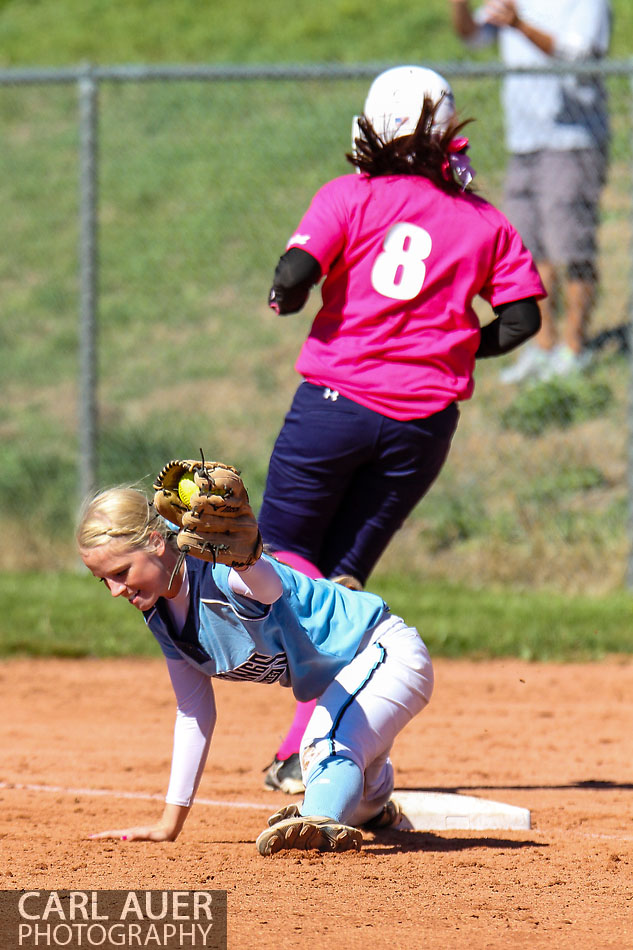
point(144, 211)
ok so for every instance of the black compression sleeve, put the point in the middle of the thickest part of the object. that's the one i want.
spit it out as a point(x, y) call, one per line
point(515, 322)
point(295, 274)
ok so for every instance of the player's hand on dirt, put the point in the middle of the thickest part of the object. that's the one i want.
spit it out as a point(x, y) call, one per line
point(142, 833)
point(167, 829)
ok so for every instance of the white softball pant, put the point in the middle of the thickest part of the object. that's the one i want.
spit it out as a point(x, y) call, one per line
point(371, 700)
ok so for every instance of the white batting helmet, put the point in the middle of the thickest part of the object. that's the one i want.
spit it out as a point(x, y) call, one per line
point(395, 99)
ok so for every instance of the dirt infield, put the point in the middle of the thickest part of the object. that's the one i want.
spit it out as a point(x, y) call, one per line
point(555, 739)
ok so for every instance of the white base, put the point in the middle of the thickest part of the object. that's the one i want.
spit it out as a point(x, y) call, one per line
point(441, 811)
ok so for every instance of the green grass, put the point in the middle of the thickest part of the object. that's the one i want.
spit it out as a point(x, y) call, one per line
point(61, 32)
point(459, 621)
point(196, 201)
point(199, 187)
point(108, 31)
point(68, 615)
point(72, 615)
point(557, 404)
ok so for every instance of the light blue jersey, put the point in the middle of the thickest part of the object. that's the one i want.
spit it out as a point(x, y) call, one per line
point(302, 640)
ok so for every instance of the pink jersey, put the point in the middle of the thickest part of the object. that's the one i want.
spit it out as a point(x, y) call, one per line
point(403, 261)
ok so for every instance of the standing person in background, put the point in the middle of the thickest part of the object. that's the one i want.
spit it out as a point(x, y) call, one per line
point(404, 247)
point(557, 135)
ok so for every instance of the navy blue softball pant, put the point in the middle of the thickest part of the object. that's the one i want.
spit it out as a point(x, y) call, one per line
point(342, 479)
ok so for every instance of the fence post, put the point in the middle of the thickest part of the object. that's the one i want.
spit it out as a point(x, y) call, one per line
point(88, 271)
point(629, 337)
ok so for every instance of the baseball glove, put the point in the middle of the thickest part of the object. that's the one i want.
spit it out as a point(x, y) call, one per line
point(209, 503)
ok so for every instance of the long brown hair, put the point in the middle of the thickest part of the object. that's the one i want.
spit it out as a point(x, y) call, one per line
point(425, 152)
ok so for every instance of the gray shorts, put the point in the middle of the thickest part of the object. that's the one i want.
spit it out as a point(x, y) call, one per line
point(552, 200)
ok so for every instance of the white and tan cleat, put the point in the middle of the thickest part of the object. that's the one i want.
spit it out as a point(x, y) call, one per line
point(307, 833)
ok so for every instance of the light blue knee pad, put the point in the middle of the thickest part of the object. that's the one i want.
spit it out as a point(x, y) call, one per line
point(334, 789)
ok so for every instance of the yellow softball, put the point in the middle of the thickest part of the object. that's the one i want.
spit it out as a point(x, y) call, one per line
point(187, 488)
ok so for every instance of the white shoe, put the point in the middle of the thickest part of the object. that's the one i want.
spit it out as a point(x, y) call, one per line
point(532, 363)
point(563, 362)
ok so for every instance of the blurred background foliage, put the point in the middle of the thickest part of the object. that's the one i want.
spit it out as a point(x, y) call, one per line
point(200, 185)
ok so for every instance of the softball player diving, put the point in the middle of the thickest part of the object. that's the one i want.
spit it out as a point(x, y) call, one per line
point(368, 671)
